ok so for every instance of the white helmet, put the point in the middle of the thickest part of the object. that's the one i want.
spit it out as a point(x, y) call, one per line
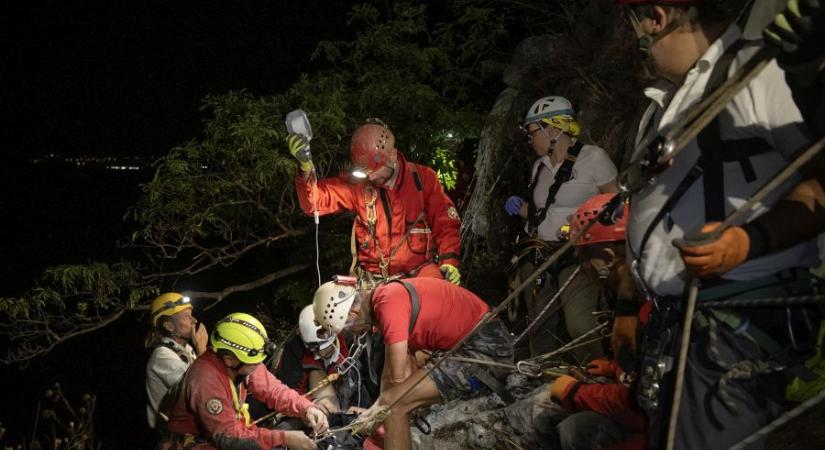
point(331, 305)
point(556, 111)
point(309, 334)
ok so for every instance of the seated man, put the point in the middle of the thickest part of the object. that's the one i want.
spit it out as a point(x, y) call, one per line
point(308, 360)
point(424, 314)
point(206, 410)
point(173, 329)
point(604, 415)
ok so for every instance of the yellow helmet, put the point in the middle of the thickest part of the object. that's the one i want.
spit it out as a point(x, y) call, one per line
point(243, 335)
point(168, 304)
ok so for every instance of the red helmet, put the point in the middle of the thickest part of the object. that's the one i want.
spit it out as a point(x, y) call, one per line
point(372, 146)
point(599, 232)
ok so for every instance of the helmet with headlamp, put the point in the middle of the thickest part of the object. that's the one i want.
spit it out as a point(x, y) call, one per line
point(372, 147)
point(168, 304)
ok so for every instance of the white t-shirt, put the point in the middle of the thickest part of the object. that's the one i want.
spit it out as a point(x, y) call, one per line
point(762, 109)
point(164, 369)
point(593, 168)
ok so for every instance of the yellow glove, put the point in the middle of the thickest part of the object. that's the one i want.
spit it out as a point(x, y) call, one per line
point(297, 144)
point(451, 274)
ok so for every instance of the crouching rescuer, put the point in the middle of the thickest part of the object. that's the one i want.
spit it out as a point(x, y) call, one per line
point(207, 409)
point(420, 314)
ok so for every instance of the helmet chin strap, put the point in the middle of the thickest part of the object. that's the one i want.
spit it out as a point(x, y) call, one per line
point(553, 139)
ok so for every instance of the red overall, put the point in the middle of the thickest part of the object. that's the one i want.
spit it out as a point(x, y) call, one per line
point(206, 409)
point(412, 223)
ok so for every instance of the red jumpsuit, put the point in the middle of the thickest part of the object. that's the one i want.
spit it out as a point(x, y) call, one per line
point(206, 408)
point(419, 212)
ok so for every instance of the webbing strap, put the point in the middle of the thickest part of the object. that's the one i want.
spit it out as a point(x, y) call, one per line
point(415, 301)
point(563, 175)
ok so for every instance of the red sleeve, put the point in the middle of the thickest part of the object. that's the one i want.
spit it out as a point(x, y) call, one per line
point(278, 396)
point(392, 308)
point(443, 218)
point(610, 400)
point(331, 194)
point(211, 402)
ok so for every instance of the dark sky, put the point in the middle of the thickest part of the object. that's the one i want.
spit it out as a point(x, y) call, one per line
point(126, 77)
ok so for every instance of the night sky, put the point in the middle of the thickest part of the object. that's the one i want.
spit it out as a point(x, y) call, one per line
point(116, 78)
point(126, 78)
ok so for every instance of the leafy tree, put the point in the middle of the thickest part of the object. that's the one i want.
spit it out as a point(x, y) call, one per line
point(226, 200)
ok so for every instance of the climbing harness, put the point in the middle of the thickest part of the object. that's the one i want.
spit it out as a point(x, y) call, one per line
point(385, 258)
point(693, 288)
point(563, 175)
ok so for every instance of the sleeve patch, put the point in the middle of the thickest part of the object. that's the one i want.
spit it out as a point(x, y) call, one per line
point(452, 213)
point(214, 406)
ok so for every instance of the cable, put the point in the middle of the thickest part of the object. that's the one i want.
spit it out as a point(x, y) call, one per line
point(316, 215)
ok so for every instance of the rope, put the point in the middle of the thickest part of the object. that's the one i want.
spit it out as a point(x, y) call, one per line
point(546, 308)
point(580, 341)
point(802, 300)
point(687, 325)
point(734, 217)
point(741, 370)
point(781, 420)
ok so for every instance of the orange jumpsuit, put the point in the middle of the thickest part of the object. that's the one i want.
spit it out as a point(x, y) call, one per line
point(207, 408)
point(402, 229)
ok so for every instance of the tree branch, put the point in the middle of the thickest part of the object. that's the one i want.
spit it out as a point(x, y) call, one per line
point(263, 281)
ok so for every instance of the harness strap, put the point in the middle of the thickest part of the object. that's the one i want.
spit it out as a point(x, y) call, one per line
point(563, 175)
point(180, 351)
point(714, 152)
point(415, 301)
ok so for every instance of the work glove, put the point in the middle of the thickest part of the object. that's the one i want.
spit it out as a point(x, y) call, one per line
point(602, 367)
point(316, 419)
point(513, 205)
point(297, 143)
point(717, 257)
point(451, 273)
point(560, 385)
point(798, 31)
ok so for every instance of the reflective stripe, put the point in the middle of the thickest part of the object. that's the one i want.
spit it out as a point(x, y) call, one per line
point(241, 410)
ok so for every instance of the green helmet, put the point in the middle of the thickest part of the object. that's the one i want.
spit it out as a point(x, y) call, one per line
point(243, 335)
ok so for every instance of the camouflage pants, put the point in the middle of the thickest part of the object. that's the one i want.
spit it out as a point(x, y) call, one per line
point(455, 379)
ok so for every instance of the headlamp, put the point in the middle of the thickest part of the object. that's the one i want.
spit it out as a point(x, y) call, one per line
point(169, 305)
point(359, 172)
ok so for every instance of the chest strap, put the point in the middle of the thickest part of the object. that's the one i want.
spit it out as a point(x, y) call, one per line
point(563, 175)
point(415, 301)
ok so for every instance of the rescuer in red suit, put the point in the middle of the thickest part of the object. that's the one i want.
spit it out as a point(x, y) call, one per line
point(405, 225)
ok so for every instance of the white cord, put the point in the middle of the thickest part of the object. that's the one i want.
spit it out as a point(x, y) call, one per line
point(316, 215)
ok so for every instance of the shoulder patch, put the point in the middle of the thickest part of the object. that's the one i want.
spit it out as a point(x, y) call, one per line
point(214, 406)
point(452, 213)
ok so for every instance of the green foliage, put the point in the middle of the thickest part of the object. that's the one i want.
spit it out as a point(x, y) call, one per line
point(423, 79)
point(229, 193)
point(68, 300)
